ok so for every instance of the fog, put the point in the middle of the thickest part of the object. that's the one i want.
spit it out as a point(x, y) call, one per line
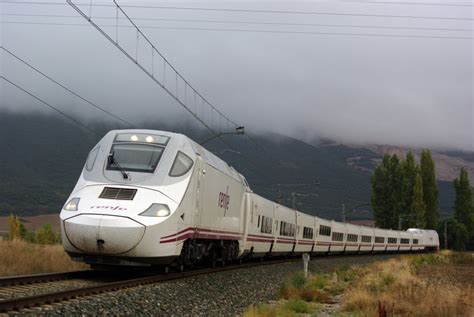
point(411, 91)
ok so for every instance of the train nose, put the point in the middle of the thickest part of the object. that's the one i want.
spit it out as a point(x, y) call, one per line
point(103, 234)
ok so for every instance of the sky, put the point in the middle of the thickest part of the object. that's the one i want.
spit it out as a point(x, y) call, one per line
point(267, 71)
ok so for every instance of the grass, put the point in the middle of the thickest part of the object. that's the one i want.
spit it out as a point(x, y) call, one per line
point(421, 285)
point(440, 284)
point(299, 295)
point(20, 257)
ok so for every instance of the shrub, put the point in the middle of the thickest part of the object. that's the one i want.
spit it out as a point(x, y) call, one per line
point(298, 306)
point(319, 281)
point(298, 280)
point(45, 235)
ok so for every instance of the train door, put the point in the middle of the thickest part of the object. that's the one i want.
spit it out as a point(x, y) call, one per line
point(200, 195)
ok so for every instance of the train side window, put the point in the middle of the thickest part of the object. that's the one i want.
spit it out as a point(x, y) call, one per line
point(405, 241)
point(352, 237)
point(324, 230)
point(287, 229)
point(337, 236)
point(367, 239)
point(91, 158)
point(258, 223)
point(392, 240)
point(379, 239)
point(415, 241)
point(181, 165)
point(267, 224)
point(307, 233)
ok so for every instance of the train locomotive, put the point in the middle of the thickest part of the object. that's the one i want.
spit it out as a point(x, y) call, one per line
point(148, 198)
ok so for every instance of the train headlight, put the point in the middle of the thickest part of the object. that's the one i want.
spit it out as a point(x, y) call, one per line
point(156, 210)
point(72, 204)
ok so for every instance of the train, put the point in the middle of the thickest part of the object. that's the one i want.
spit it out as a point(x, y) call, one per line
point(153, 198)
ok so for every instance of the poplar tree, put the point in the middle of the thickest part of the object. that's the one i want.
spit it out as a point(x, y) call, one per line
point(418, 207)
point(386, 194)
point(14, 225)
point(430, 189)
point(463, 204)
point(410, 173)
point(379, 194)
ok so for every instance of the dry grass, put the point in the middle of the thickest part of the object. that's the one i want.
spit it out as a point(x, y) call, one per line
point(20, 257)
point(402, 287)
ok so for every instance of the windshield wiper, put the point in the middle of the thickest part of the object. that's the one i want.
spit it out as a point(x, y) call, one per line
point(113, 161)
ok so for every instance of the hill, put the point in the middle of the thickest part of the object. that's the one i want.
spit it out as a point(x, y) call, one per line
point(42, 157)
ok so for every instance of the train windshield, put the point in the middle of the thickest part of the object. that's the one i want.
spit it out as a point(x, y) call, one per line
point(136, 152)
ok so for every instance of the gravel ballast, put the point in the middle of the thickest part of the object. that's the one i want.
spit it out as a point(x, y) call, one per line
point(219, 294)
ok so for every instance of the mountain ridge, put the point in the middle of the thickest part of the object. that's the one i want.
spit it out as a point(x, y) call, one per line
point(43, 156)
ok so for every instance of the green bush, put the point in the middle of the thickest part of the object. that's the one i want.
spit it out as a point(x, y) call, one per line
point(45, 235)
point(319, 281)
point(298, 280)
point(298, 306)
point(417, 262)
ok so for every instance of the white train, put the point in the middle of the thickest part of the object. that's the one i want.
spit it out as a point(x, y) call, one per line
point(150, 197)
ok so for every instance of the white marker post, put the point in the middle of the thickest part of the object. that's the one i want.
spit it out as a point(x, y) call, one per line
point(305, 264)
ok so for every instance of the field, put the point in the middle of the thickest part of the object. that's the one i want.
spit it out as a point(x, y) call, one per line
point(414, 285)
point(20, 257)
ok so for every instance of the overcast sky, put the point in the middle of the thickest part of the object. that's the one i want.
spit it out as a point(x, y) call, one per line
point(364, 89)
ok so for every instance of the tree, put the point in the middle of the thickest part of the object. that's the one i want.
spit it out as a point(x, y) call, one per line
point(410, 173)
point(464, 205)
point(386, 195)
point(430, 189)
point(457, 234)
point(45, 235)
point(14, 227)
point(418, 207)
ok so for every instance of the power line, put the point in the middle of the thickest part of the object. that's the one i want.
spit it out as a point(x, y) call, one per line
point(67, 89)
point(250, 11)
point(258, 31)
point(151, 75)
point(50, 106)
point(246, 22)
point(408, 3)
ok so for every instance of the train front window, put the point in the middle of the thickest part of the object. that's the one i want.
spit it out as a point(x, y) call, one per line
point(136, 152)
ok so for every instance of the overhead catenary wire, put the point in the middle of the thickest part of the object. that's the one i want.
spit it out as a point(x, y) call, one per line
point(403, 3)
point(432, 4)
point(127, 123)
point(344, 34)
point(248, 10)
point(175, 95)
point(51, 106)
point(163, 86)
point(246, 22)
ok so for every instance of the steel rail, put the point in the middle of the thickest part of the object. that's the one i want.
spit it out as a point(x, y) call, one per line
point(42, 278)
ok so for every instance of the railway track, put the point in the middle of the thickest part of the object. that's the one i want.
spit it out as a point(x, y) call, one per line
point(37, 290)
point(28, 291)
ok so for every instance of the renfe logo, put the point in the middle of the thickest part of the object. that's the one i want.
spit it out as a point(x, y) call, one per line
point(108, 207)
point(224, 200)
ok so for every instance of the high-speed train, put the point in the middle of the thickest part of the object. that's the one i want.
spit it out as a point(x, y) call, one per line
point(149, 197)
